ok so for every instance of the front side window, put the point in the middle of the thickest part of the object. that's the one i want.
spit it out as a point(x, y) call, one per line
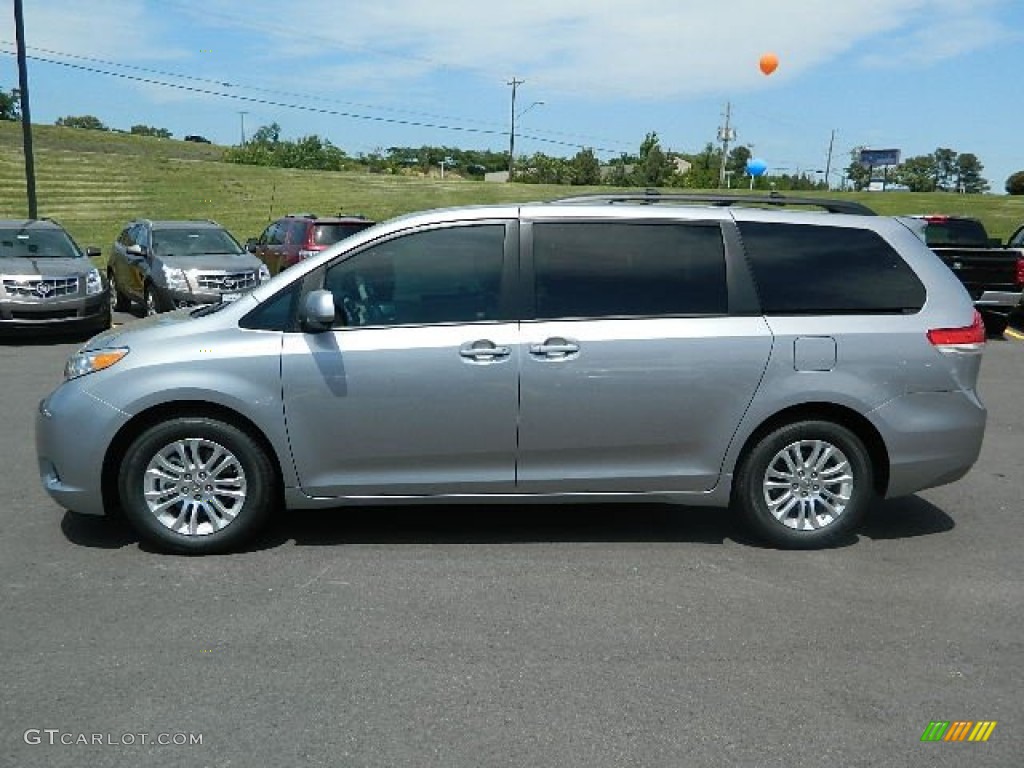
point(626, 269)
point(808, 269)
point(450, 275)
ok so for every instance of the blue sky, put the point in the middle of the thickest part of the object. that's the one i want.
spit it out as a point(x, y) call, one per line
point(909, 74)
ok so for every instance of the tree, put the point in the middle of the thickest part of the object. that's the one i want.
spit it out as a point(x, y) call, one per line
point(1015, 184)
point(737, 162)
point(82, 121)
point(148, 130)
point(266, 134)
point(968, 174)
point(654, 168)
point(944, 168)
point(10, 104)
point(859, 175)
point(917, 173)
point(585, 170)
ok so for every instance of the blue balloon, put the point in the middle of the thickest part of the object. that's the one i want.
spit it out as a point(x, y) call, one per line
point(756, 166)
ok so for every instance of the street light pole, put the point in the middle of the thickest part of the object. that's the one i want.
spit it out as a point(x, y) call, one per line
point(242, 115)
point(512, 132)
point(26, 115)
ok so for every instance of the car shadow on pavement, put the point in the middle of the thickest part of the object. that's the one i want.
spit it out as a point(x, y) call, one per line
point(905, 518)
point(510, 524)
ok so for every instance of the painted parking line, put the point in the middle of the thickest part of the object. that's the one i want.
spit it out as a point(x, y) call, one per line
point(1014, 334)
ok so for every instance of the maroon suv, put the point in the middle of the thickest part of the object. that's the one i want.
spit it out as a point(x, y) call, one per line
point(298, 236)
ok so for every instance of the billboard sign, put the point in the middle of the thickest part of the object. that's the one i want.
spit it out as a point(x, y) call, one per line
point(875, 158)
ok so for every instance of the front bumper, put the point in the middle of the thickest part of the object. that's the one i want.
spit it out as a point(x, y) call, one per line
point(56, 314)
point(73, 431)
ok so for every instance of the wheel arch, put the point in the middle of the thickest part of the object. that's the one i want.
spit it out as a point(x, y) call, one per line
point(157, 414)
point(837, 414)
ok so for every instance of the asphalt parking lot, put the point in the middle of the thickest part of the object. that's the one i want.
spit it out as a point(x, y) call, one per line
point(538, 636)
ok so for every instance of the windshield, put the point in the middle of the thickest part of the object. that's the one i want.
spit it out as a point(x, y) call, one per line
point(31, 243)
point(193, 242)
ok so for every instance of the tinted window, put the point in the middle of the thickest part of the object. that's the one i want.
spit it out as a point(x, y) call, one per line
point(438, 276)
point(611, 269)
point(297, 232)
point(326, 234)
point(955, 232)
point(275, 234)
point(276, 313)
point(1017, 240)
point(803, 269)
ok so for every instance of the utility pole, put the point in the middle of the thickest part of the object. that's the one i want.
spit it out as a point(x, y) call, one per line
point(242, 115)
point(828, 163)
point(726, 133)
point(26, 115)
point(512, 132)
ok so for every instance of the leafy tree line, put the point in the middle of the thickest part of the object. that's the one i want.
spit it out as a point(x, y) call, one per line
point(944, 170)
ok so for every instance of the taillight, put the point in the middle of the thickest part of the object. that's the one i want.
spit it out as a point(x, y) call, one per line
point(1020, 272)
point(969, 338)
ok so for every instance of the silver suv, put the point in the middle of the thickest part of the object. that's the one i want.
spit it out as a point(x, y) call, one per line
point(797, 365)
point(47, 282)
point(165, 265)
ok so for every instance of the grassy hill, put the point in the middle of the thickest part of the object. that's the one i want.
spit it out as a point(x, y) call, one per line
point(96, 181)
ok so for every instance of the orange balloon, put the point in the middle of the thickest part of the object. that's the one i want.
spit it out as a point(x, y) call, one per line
point(769, 63)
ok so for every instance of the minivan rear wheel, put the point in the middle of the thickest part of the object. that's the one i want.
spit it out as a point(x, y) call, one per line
point(196, 485)
point(806, 485)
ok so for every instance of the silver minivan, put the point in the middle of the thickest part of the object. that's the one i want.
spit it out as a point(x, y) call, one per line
point(794, 364)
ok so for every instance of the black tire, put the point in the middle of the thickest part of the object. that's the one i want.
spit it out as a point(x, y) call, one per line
point(248, 469)
point(794, 528)
point(120, 301)
point(995, 323)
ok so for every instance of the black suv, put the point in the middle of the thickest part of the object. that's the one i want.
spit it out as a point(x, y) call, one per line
point(298, 236)
point(164, 265)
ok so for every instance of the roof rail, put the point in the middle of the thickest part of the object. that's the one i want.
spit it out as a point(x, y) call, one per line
point(651, 196)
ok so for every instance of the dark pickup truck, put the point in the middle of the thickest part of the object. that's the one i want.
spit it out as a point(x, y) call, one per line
point(993, 274)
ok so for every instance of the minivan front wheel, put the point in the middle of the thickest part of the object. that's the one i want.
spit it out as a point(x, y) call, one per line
point(196, 485)
point(806, 485)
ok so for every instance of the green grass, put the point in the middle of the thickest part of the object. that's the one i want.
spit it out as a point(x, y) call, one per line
point(95, 181)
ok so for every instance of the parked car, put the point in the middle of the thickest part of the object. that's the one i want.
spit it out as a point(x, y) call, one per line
point(47, 282)
point(197, 139)
point(993, 274)
point(165, 265)
point(794, 364)
point(297, 236)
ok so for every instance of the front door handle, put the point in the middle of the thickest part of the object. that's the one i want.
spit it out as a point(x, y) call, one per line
point(484, 351)
point(556, 348)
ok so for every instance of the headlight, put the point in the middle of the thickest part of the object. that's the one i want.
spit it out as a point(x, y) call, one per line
point(264, 273)
point(81, 363)
point(93, 282)
point(175, 279)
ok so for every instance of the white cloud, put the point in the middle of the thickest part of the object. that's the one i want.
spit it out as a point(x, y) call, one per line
point(655, 49)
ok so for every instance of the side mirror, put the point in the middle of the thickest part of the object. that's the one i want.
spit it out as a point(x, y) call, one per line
point(318, 312)
point(251, 245)
point(92, 252)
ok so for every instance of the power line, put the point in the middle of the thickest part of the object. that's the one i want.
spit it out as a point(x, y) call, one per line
point(307, 108)
point(300, 94)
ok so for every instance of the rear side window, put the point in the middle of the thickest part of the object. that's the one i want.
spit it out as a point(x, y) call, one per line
point(328, 234)
point(808, 269)
point(619, 269)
